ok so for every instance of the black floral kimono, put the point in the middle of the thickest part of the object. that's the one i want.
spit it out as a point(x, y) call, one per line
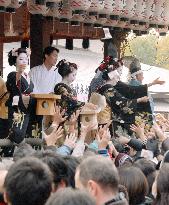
point(144, 110)
point(144, 113)
point(22, 119)
point(68, 100)
point(123, 110)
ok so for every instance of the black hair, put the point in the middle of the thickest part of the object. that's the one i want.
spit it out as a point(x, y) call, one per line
point(56, 164)
point(109, 64)
point(135, 182)
point(29, 181)
point(149, 170)
point(72, 163)
point(65, 68)
point(48, 50)
point(71, 197)
point(12, 58)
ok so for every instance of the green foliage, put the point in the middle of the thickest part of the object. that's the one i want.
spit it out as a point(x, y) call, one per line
point(149, 49)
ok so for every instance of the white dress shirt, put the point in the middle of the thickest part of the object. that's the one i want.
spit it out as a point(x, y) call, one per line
point(44, 80)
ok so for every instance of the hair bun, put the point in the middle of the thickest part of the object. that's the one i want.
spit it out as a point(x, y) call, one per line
point(12, 55)
point(65, 67)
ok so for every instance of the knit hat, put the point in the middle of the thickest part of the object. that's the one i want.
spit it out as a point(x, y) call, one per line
point(121, 159)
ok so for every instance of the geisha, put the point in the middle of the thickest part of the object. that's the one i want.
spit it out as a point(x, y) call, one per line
point(122, 100)
point(69, 100)
point(20, 104)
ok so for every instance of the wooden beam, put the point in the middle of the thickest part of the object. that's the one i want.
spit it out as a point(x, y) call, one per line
point(10, 39)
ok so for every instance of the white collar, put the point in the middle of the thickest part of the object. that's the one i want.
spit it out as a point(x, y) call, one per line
point(44, 67)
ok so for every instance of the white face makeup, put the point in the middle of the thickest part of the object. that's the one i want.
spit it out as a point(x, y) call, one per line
point(72, 76)
point(114, 77)
point(120, 69)
point(21, 62)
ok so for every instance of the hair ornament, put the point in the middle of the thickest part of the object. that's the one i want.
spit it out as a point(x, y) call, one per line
point(14, 52)
point(28, 51)
point(110, 63)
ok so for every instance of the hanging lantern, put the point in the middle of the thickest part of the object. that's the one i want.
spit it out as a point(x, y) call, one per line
point(37, 6)
point(150, 9)
point(107, 8)
point(76, 20)
point(158, 17)
point(132, 25)
point(123, 22)
point(100, 22)
point(162, 29)
point(89, 20)
point(129, 8)
point(112, 22)
point(52, 12)
point(15, 4)
point(80, 6)
point(65, 12)
point(118, 6)
point(95, 7)
point(108, 24)
point(140, 11)
point(166, 13)
point(142, 26)
point(51, 3)
point(4, 4)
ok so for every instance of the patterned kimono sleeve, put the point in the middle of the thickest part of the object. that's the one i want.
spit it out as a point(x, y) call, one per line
point(68, 100)
point(123, 108)
point(70, 104)
point(131, 92)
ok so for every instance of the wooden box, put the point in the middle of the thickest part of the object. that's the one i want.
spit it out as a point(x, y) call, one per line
point(45, 103)
point(87, 116)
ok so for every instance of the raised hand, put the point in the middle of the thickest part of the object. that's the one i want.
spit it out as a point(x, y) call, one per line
point(58, 115)
point(86, 128)
point(123, 140)
point(103, 137)
point(139, 130)
point(74, 117)
point(52, 138)
point(70, 140)
point(158, 82)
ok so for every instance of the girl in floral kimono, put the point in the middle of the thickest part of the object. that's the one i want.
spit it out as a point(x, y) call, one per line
point(21, 108)
point(69, 100)
point(122, 110)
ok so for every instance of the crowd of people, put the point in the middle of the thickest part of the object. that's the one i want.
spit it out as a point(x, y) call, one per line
point(120, 159)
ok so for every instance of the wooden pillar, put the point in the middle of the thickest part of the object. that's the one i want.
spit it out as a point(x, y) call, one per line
point(40, 30)
point(112, 47)
point(1, 43)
